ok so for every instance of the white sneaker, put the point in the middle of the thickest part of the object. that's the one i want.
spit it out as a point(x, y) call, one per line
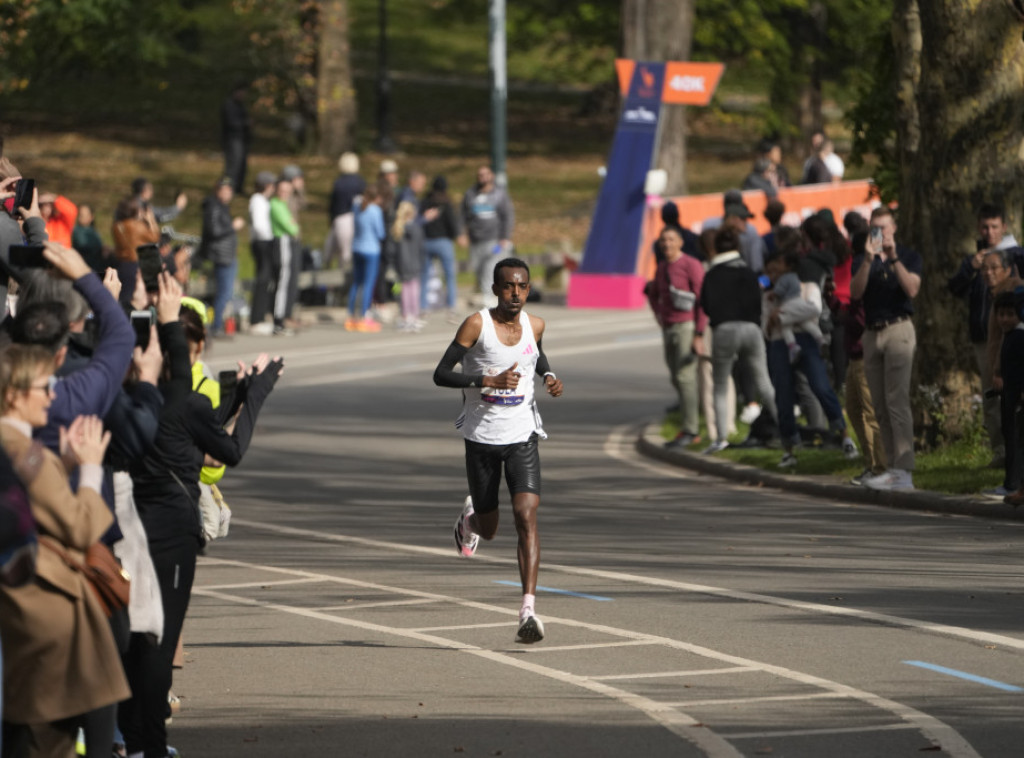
point(894, 479)
point(263, 330)
point(466, 540)
point(716, 447)
point(996, 493)
point(531, 630)
point(750, 413)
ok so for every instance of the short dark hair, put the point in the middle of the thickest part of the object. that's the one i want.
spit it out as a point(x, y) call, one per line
point(790, 258)
point(881, 211)
point(43, 323)
point(991, 210)
point(774, 211)
point(510, 263)
point(1005, 301)
point(726, 240)
point(139, 184)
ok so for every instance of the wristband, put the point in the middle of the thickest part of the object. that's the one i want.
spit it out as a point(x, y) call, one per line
point(551, 374)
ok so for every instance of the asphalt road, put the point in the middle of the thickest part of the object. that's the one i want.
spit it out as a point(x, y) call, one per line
point(685, 615)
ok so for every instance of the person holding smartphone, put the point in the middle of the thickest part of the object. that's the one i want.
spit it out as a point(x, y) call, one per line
point(888, 277)
point(18, 224)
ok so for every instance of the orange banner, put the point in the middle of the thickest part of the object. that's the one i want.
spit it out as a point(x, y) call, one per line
point(690, 83)
point(800, 202)
point(685, 83)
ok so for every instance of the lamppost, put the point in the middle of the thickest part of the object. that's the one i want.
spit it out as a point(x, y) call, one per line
point(499, 91)
point(384, 142)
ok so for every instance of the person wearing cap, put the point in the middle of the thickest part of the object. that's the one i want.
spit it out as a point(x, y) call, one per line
point(347, 187)
point(752, 247)
point(888, 277)
point(489, 219)
point(261, 241)
point(236, 134)
point(220, 246)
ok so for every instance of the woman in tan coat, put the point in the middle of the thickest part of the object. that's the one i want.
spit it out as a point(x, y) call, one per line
point(60, 659)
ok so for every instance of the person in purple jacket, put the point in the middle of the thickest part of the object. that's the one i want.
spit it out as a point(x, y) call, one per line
point(91, 390)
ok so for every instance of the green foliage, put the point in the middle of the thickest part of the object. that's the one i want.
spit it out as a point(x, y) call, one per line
point(50, 39)
point(577, 41)
point(791, 44)
point(872, 120)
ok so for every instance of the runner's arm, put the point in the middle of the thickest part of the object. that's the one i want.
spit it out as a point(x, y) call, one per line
point(445, 374)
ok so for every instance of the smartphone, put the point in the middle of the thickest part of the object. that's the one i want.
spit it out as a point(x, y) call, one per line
point(228, 381)
point(23, 192)
point(27, 256)
point(876, 235)
point(141, 323)
point(150, 265)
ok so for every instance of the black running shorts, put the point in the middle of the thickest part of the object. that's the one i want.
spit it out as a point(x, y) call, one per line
point(483, 469)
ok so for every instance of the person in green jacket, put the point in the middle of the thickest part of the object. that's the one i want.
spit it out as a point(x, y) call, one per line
point(287, 256)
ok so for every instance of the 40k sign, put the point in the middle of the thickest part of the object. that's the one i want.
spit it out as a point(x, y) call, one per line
point(608, 275)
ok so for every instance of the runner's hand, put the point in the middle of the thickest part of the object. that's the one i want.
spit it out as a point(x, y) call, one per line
point(506, 380)
point(554, 385)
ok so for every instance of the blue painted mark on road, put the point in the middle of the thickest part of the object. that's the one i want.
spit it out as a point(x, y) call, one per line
point(599, 598)
point(969, 677)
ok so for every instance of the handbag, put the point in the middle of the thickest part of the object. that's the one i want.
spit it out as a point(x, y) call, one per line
point(106, 576)
point(216, 513)
point(682, 300)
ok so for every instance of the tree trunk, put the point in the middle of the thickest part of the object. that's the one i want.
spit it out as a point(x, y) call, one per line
point(336, 97)
point(960, 102)
point(662, 30)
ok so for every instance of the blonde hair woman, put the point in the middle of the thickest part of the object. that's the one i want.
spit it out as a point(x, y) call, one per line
point(61, 661)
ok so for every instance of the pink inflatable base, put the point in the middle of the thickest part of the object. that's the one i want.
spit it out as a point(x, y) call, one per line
point(623, 291)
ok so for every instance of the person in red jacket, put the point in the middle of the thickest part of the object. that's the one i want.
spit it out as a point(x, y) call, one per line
point(673, 297)
point(60, 215)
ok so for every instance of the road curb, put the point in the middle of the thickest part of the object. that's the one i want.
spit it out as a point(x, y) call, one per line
point(650, 444)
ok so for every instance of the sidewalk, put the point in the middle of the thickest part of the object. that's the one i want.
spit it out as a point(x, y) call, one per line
point(650, 443)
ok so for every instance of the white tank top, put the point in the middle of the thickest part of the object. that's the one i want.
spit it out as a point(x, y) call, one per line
point(494, 416)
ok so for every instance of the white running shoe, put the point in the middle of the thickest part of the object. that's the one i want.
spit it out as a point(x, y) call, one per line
point(466, 540)
point(750, 413)
point(716, 447)
point(531, 630)
point(894, 479)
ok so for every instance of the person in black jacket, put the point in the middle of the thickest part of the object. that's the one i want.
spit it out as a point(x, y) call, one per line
point(969, 284)
point(220, 246)
point(731, 298)
point(441, 227)
point(235, 135)
point(166, 484)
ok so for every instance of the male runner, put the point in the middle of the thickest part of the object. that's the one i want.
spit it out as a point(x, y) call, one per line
point(500, 350)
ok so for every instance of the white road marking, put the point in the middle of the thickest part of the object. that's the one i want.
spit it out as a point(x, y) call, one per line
point(675, 721)
point(341, 377)
point(814, 732)
point(765, 699)
point(594, 646)
point(363, 606)
point(669, 584)
point(257, 584)
point(673, 674)
point(679, 723)
point(459, 627)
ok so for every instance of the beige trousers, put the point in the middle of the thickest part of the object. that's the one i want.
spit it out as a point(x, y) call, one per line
point(888, 364)
point(861, 413)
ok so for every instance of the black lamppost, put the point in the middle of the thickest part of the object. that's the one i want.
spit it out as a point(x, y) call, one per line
point(384, 142)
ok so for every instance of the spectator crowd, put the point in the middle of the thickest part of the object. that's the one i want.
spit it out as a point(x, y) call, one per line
point(817, 321)
point(113, 434)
